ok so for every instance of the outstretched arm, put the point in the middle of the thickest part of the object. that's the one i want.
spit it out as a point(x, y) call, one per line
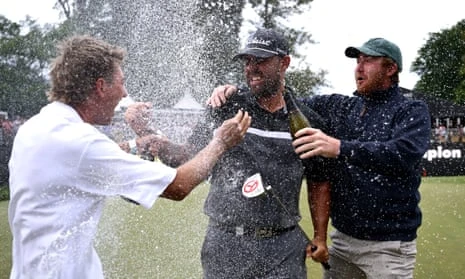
point(139, 117)
point(397, 155)
point(190, 174)
point(319, 204)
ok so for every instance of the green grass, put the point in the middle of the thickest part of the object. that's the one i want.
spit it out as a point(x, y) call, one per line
point(165, 241)
point(5, 241)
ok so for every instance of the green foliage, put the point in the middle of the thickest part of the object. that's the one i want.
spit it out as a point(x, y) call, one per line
point(305, 81)
point(276, 14)
point(441, 64)
point(25, 50)
point(168, 52)
point(220, 23)
point(21, 66)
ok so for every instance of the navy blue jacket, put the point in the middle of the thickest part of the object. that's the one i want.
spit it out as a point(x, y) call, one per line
point(374, 193)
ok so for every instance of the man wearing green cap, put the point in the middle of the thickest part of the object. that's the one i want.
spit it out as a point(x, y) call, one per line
point(377, 139)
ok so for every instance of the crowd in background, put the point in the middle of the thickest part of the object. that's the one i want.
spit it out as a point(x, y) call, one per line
point(448, 134)
point(7, 133)
point(9, 128)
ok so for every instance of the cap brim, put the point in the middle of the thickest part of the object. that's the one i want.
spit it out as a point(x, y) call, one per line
point(354, 52)
point(254, 52)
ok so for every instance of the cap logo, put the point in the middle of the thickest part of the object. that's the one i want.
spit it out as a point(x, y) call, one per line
point(259, 42)
point(264, 43)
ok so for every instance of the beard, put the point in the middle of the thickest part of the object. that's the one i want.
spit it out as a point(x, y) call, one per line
point(372, 84)
point(267, 89)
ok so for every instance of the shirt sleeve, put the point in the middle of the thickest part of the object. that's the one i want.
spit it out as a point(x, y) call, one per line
point(108, 171)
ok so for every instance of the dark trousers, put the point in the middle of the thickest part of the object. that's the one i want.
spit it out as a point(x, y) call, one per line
point(228, 255)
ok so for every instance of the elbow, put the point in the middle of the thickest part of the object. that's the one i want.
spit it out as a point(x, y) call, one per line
point(180, 196)
point(175, 193)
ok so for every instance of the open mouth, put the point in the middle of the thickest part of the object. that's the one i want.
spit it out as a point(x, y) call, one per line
point(254, 80)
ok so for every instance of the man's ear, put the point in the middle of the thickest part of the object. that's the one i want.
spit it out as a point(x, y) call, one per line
point(286, 60)
point(100, 86)
point(392, 69)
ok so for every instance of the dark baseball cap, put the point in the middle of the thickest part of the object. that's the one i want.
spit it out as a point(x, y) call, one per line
point(265, 43)
point(377, 47)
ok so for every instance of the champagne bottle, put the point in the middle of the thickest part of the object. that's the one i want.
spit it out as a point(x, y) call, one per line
point(297, 119)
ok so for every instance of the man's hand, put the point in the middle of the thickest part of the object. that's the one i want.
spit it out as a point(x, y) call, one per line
point(220, 95)
point(312, 142)
point(233, 130)
point(151, 144)
point(318, 251)
point(139, 117)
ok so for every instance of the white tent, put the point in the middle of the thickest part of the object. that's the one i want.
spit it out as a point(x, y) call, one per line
point(188, 102)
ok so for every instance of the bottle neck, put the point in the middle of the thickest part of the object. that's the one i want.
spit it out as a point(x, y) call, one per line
point(290, 102)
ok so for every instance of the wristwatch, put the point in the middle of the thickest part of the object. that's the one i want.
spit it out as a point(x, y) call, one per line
point(132, 146)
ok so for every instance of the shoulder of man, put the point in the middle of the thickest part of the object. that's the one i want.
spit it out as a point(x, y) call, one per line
point(241, 100)
point(315, 119)
point(418, 106)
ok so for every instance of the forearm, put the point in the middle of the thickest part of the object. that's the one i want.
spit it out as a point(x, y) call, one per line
point(190, 174)
point(174, 154)
point(193, 172)
point(319, 198)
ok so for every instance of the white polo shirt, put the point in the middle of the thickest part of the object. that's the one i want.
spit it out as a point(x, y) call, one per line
point(61, 171)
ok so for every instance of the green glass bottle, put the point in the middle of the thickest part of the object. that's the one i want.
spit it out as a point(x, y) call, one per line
point(297, 119)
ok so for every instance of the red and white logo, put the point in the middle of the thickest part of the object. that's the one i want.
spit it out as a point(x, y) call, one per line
point(253, 186)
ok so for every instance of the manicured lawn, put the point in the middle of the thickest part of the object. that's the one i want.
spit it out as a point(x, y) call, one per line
point(5, 241)
point(165, 241)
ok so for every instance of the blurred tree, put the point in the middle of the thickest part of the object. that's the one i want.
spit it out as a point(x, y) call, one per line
point(280, 15)
point(305, 81)
point(441, 64)
point(220, 22)
point(25, 50)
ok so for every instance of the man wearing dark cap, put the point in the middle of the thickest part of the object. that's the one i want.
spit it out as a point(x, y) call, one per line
point(378, 138)
point(252, 233)
point(252, 236)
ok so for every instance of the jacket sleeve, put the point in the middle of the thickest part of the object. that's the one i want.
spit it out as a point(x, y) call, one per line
point(314, 118)
point(403, 152)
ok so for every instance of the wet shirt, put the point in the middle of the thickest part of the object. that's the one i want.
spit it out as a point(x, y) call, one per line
point(61, 171)
point(374, 192)
point(267, 150)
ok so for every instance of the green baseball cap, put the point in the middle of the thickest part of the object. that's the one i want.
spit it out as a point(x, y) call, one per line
point(377, 47)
